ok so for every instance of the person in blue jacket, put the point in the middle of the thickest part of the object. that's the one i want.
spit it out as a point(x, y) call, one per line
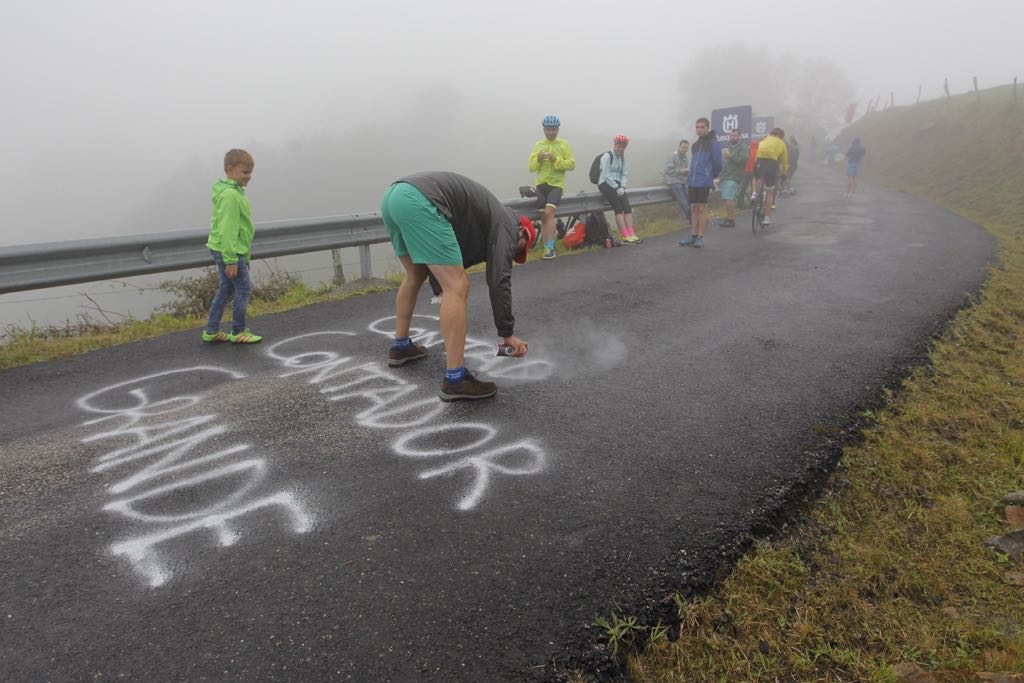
point(705, 166)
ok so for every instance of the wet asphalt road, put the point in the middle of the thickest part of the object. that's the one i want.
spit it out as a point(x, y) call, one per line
point(298, 511)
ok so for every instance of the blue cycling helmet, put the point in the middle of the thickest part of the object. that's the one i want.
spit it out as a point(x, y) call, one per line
point(551, 121)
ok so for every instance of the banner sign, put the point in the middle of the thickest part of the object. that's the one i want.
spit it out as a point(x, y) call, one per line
point(724, 121)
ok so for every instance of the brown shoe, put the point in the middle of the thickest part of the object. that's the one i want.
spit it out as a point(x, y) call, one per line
point(469, 389)
point(398, 357)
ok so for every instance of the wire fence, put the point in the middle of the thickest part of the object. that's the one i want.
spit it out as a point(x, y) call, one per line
point(876, 103)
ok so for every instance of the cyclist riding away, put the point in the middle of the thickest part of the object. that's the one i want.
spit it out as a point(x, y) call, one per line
point(772, 157)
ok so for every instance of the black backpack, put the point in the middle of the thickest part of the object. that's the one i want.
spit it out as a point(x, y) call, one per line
point(595, 167)
point(597, 229)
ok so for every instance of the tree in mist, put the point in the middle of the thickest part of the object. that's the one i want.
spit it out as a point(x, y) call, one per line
point(806, 95)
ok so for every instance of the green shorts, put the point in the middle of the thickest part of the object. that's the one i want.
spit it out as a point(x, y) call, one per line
point(417, 228)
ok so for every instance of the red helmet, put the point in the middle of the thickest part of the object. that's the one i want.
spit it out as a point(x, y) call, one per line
point(531, 237)
point(621, 138)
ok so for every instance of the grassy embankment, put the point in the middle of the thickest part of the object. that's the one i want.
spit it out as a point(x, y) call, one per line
point(889, 576)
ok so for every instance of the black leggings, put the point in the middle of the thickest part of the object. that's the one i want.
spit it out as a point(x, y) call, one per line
point(619, 204)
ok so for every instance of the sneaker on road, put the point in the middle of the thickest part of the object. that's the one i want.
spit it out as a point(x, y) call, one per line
point(725, 223)
point(398, 357)
point(548, 254)
point(699, 242)
point(688, 241)
point(218, 336)
point(469, 389)
point(246, 336)
point(767, 221)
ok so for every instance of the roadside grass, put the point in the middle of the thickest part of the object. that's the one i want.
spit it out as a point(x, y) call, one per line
point(885, 577)
point(24, 346)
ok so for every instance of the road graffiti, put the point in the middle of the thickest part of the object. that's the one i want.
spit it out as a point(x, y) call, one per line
point(175, 480)
point(385, 400)
point(177, 469)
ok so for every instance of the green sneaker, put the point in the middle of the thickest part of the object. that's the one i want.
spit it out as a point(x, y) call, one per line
point(218, 336)
point(245, 337)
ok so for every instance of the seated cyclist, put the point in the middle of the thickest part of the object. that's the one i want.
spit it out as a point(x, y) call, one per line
point(772, 157)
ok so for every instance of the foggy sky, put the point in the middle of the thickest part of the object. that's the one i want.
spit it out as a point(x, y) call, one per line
point(104, 100)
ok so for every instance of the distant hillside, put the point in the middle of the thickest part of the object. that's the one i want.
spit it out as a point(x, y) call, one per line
point(965, 153)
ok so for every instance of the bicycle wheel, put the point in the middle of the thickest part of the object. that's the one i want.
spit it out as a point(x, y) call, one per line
point(755, 215)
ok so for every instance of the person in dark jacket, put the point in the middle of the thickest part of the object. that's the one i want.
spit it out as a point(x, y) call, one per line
point(854, 155)
point(442, 223)
point(705, 166)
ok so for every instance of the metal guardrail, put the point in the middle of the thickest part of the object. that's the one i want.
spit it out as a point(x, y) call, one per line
point(36, 266)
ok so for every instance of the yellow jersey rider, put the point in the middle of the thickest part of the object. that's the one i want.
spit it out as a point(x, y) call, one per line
point(772, 157)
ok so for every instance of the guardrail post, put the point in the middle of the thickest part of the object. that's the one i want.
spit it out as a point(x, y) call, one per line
point(339, 269)
point(365, 265)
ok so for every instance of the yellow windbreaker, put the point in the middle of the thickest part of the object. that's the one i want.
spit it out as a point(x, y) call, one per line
point(774, 148)
point(552, 172)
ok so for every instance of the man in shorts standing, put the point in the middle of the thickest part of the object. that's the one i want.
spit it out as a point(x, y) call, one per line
point(735, 160)
point(705, 166)
point(443, 223)
point(550, 159)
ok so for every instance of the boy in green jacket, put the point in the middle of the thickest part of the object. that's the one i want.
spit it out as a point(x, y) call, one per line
point(231, 232)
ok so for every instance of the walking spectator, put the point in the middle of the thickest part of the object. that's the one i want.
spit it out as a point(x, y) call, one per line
point(550, 159)
point(853, 159)
point(612, 184)
point(705, 166)
point(794, 159)
point(734, 161)
point(443, 223)
point(676, 170)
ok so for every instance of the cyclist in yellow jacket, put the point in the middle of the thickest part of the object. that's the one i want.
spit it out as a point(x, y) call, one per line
point(772, 157)
point(550, 159)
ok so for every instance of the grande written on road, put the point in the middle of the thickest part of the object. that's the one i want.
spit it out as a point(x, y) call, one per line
point(177, 483)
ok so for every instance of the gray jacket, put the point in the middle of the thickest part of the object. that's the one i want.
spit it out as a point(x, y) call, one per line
point(676, 169)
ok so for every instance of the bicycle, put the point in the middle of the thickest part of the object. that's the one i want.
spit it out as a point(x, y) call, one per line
point(757, 211)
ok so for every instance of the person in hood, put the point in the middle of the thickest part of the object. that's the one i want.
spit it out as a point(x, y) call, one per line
point(853, 159)
point(443, 223)
point(230, 243)
point(705, 167)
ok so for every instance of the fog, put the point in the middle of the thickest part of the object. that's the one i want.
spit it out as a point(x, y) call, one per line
point(116, 113)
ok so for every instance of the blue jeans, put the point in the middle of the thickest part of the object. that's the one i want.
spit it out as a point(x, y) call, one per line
point(679, 190)
point(240, 288)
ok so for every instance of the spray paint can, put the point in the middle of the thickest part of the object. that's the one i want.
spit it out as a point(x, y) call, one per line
point(505, 350)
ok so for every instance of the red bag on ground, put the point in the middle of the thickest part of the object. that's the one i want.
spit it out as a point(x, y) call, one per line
point(575, 236)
